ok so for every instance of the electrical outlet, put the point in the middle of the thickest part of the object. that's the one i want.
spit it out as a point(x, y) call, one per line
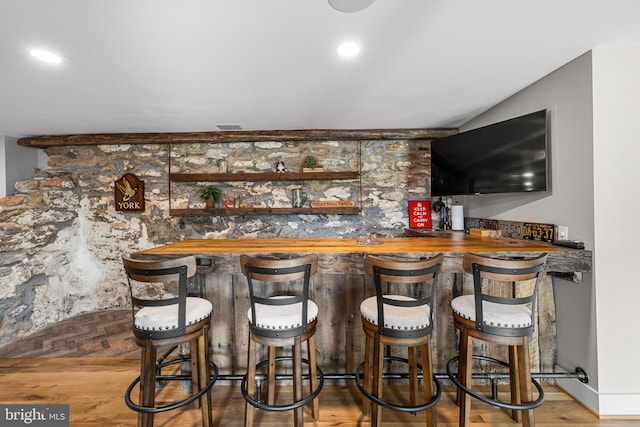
point(563, 232)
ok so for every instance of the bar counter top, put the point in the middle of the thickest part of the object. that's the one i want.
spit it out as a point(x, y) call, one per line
point(452, 244)
point(341, 284)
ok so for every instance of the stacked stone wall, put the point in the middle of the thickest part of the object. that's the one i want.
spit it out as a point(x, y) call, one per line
point(62, 237)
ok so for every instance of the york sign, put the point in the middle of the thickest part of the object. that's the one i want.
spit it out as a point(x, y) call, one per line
point(129, 193)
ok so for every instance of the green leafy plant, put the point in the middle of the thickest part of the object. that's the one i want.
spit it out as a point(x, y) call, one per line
point(211, 192)
point(311, 162)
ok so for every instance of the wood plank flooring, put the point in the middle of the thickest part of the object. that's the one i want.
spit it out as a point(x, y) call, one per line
point(88, 362)
point(94, 388)
point(99, 333)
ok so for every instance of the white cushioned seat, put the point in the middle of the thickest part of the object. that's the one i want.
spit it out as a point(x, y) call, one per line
point(166, 317)
point(402, 318)
point(498, 315)
point(283, 316)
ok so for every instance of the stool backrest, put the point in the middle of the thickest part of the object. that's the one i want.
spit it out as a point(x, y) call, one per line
point(521, 276)
point(166, 272)
point(263, 273)
point(420, 278)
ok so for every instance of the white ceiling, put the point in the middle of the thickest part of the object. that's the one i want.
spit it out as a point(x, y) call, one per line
point(189, 65)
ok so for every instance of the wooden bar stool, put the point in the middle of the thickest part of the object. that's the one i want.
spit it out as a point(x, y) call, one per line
point(168, 323)
point(281, 315)
point(500, 311)
point(400, 314)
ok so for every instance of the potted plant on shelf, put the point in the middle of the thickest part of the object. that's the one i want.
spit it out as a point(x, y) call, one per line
point(311, 165)
point(211, 195)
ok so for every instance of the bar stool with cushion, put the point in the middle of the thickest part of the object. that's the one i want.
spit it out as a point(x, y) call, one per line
point(400, 314)
point(281, 318)
point(501, 316)
point(169, 323)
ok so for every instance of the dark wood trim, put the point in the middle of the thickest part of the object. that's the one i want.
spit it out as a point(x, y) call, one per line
point(263, 176)
point(264, 211)
point(233, 136)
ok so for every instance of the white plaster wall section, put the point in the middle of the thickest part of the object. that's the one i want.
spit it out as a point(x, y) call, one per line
point(279, 199)
point(82, 279)
point(338, 193)
point(18, 274)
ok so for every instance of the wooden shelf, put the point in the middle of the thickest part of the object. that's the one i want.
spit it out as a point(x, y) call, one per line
point(264, 211)
point(298, 177)
point(263, 176)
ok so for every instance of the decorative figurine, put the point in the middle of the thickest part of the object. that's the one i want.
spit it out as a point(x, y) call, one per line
point(222, 164)
point(280, 167)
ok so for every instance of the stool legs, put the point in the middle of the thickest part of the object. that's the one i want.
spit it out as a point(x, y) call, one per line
point(373, 378)
point(200, 376)
point(368, 373)
point(202, 356)
point(147, 383)
point(378, 355)
point(525, 382)
point(298, 415)
point(519, 380)
point(427, 375)
point(514, 381)
point(464, 375)
point(413, 375)
point(271, 378)
point(251, 382)
point(313, 376)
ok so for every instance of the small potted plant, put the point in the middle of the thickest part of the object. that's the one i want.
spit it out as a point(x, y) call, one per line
point(211, 195)
point(311, 165)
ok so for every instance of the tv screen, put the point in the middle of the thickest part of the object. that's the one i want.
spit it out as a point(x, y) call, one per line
point(506, 157)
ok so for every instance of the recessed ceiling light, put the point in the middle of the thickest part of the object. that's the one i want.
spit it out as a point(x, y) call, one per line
point(349, 6)
point(46, 56)
point(348, 49)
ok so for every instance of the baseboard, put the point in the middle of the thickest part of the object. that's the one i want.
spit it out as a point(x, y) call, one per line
point(614, 406)
point(611, 406)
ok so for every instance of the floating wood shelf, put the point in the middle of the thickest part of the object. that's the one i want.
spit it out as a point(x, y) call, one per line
point(262, 176)
point(264, 211)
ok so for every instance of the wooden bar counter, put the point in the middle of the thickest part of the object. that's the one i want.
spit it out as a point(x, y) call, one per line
point(340, 285)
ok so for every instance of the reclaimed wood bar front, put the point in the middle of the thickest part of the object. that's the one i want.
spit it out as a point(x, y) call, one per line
point(340, 285)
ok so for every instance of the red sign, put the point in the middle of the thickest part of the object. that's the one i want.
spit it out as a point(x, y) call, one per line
point(419, 214)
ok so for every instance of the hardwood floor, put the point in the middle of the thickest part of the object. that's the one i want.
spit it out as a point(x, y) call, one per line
point(99, 333)
point(101, 360)
point(94, 388)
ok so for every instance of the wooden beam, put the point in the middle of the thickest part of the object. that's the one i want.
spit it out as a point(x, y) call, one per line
point(233, 136)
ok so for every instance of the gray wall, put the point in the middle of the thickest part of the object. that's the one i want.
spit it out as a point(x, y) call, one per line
point(16, 163)
point(594, 168)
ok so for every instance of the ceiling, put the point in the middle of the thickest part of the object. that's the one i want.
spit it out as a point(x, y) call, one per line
point(191, 65)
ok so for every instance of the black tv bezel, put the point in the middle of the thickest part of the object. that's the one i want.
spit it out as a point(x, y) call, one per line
point(476, 135)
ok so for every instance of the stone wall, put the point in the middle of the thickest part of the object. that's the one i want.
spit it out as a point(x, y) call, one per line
point(62, 237)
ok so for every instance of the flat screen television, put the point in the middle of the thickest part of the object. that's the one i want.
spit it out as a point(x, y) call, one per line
point(506, 157)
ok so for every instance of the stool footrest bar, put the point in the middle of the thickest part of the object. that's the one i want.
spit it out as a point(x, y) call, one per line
point(388, 405)
point(280, 408)
point(177, 377)
point(492, 400)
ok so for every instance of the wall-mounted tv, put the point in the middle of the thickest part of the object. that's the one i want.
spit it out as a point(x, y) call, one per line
point(506, 157)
